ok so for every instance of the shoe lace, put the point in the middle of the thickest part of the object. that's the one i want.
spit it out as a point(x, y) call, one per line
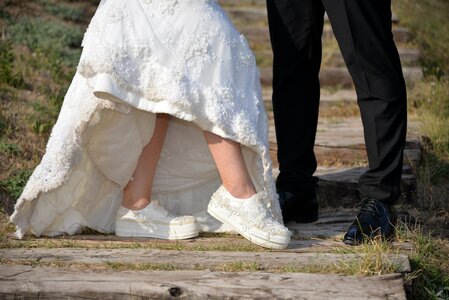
point(370, 205)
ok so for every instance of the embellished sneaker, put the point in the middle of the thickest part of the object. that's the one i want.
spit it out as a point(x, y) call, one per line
point(156, 222)
point(249, 217)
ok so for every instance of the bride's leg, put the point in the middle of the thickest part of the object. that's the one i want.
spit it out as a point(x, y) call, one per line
point(236, 202)
point(229, 160)
point(150, 219)
point(136, 194)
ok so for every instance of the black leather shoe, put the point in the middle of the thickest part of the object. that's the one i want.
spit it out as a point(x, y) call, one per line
point(374, 219)
point(298, 208)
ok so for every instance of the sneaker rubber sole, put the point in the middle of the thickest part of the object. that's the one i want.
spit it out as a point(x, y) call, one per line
point(156, 230)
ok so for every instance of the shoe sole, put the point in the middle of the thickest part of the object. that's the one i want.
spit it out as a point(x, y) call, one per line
point(354, 242)
point(351, 242)
point(156, 230)
point(253, 238)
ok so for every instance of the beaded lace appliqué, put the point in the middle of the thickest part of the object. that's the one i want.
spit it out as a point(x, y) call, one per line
point(164, 7)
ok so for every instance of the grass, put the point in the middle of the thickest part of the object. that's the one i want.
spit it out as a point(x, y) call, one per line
point(8, 76)
point(91, 239)
point(430, 33)
point(366, 266)
point(8, 149)
point(429, 260)
point(141, 267)
point(66, 11)
point(14, 184)
point(39, 50)
point(49, 36)
point(427, 20)
point(353, 268)
point(237, 244)
point(362, 265)
point(431, 98)
point(241, 266)
point(339, 109)
point(428, 256)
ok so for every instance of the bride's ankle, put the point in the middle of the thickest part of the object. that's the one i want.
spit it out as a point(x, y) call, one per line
point(240, 192)
point(138, 204)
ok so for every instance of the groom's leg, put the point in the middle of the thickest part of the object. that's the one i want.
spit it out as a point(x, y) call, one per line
point(295, 31)
point(363, 31)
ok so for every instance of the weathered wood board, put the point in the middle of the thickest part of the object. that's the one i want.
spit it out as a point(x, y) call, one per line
point(52, 283)
point(191, 260)
point(324, 235)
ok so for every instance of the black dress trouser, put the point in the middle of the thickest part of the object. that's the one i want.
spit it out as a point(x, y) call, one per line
point(363, 31)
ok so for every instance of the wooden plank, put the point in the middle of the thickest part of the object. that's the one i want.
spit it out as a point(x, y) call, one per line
point(227, 243)
point(409, 56)
point(322, 236)
point(333, 231)
point(401, 35)
point(333, 147)
point(330, 226)
point(340, 77)
point(46, 283)
point(191, 260)
point(338, 186)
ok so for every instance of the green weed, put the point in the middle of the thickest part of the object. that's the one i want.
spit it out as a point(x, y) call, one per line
point(4, 125)
point(430, 98)
point(45, 115)
point(7, 74)
point(14, 184)
point(430, 31)
point(54, 38)
point(65, 11)
point(8, 148)
point(429, 260)
point(241, 266)
point(141, 267)
point(4, 14)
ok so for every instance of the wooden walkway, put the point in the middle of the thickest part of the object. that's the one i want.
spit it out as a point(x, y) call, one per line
point(51, 283)
point(317, 265)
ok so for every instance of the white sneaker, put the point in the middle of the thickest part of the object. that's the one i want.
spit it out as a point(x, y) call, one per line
point(249, 217)
point(156, 222)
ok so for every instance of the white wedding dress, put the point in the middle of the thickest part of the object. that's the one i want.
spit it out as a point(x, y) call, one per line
point(142, 57)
